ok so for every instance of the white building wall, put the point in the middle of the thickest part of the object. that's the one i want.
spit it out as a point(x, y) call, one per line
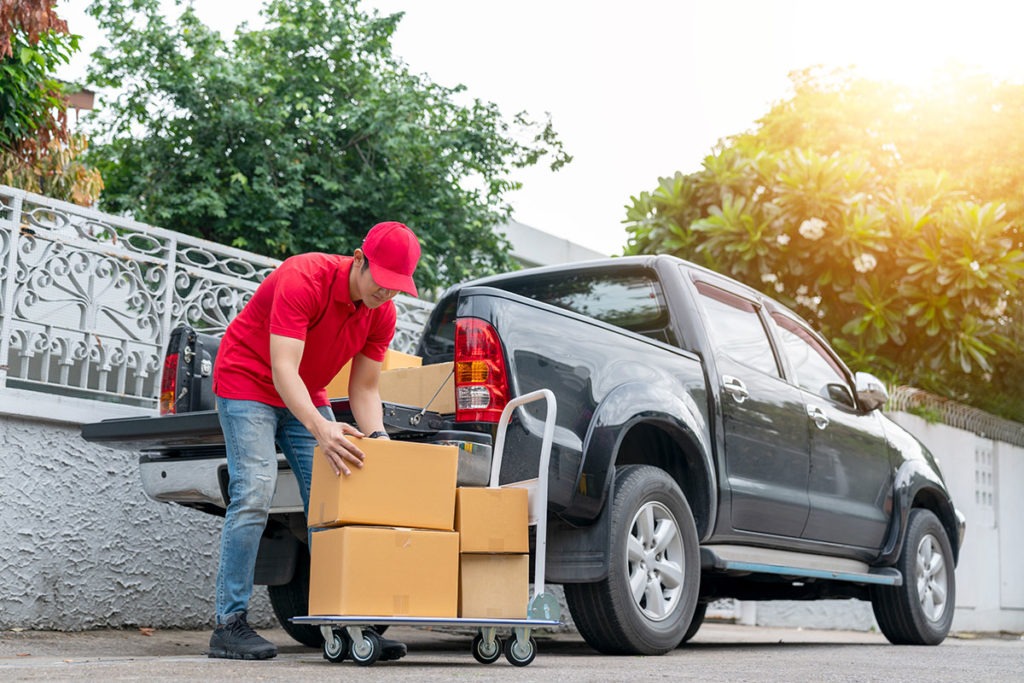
point(82, 547)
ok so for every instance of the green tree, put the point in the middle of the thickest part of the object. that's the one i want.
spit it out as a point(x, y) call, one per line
point(889, 217)
point(301, 135)
point(37, 152)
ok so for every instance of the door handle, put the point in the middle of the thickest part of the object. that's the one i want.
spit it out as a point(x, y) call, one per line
point(736, 388)
point(818, 415)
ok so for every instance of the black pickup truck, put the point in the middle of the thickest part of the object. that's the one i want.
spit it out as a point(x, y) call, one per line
point(709, 444)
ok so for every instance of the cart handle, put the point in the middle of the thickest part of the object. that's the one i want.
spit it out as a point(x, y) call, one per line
point(540, 551)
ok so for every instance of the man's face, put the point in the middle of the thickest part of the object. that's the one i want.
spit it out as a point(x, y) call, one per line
point(371, 294)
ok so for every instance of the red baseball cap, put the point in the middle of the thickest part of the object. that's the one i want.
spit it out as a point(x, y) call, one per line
point(393, 252)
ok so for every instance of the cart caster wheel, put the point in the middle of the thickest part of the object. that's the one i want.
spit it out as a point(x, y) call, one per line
point(368, 650)
point(520, 653)
point(336, 648)
point(486, 653)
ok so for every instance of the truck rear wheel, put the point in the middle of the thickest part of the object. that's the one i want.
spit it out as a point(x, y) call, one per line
point(292, 600)
point(920, 612)
point(646, 603)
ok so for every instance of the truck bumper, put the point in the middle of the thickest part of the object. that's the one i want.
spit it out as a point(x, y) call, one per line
point(202, 482)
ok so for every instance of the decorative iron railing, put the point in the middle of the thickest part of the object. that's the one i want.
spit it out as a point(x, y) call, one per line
point(87, 299)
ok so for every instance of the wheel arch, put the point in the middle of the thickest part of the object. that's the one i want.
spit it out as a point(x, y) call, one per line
point(915, 487)
point(663, 443)
point(635, 424)
point(660, 425)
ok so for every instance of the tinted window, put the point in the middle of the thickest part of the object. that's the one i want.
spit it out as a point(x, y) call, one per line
point(438, 341)
point(816, 369)
point(631, 300)
point(736, 329)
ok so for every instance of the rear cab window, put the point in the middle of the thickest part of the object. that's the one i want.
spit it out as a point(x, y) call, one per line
point(631, 299)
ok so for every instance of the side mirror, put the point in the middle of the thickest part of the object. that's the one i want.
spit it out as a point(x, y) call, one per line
point(871, 393)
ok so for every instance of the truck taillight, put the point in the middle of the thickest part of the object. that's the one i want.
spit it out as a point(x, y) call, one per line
point(168, 384)
point(481, 383)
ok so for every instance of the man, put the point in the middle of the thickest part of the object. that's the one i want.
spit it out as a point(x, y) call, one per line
point(312, 315)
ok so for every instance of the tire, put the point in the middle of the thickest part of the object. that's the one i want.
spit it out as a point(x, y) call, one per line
point(484, 653)
point(520, 653)
point(695, 622)
point(920, 612)
point(337, 646)
point(646, 502)
point(292, 600)
point(367, 652)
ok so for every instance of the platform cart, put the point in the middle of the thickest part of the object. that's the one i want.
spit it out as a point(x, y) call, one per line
point(353, 636)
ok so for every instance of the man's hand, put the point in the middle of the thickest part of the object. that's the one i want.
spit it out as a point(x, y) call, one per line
point(340, 452)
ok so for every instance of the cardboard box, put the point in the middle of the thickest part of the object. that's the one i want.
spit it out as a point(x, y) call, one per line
point(338, 387)
point(357, 570)
point(427, 384)
point(492, 520)
point(400, 484)
point(494, 586)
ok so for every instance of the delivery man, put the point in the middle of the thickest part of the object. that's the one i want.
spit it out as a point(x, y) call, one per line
point(313, 314)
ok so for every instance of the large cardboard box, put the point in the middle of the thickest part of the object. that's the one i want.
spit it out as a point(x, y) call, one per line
point(376, 571)
point(494, 586)
point(428, 386)
point(338, 388)
point(492, 520)
point(400, 484)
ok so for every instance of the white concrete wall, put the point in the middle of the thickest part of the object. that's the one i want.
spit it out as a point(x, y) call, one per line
point(82, 547)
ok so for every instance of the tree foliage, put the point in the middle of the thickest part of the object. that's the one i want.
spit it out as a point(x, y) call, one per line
point(890, 217)
point(301, 135)
point(37, 152)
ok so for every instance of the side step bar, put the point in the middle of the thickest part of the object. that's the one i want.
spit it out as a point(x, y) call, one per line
point(749, 560)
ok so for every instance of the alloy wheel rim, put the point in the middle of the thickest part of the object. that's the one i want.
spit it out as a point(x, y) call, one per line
point(655, 561)
point(932, 579)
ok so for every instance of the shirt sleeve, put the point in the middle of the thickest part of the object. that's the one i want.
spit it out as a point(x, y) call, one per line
point(382, 331)
point(296, 301)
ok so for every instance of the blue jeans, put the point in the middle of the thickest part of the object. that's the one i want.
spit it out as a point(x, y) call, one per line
point(251, 431)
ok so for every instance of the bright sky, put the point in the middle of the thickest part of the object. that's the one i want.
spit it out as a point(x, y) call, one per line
point(640, 90)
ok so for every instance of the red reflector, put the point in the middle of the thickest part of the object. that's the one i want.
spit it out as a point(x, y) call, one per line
point(169, 384)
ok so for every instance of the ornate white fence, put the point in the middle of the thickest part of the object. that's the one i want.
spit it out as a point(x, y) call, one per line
point(87, 300)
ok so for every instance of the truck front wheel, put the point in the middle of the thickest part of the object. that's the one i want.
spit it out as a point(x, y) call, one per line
point(919, 612)
point(647, 601)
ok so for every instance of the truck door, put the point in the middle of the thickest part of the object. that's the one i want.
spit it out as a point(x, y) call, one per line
point(851, 473)
point(765, 429)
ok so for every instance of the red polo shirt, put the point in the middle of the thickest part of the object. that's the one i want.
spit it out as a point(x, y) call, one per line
point(306, 297)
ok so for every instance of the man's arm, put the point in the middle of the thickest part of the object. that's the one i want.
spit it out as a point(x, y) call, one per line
point(285, 356)
point(364, 394)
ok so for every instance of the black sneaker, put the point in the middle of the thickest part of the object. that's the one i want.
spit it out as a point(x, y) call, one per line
point(391, 650)
point(235, 639)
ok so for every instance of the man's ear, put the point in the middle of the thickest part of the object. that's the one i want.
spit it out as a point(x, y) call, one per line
point(358, 256)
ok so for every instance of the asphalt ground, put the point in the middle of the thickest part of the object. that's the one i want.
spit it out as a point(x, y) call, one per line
point(719, 652)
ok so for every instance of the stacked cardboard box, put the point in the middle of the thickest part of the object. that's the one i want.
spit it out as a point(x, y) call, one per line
point(494, 546)
point(384, 543)
point(405, 380)
point(338, 388)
